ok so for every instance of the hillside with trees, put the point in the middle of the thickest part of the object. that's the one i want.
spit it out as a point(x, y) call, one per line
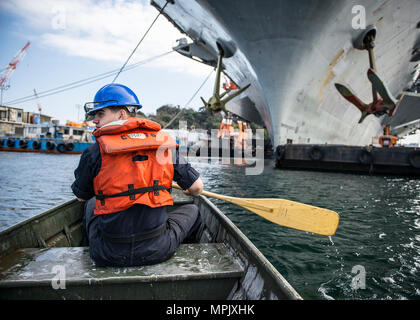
point(201, 119)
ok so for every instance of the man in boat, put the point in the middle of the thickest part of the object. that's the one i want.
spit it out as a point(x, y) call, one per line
point(125, 179)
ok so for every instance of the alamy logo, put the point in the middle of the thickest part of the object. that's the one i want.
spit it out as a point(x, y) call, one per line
point(59, 280)
point(359, 280)
point(58, 21)
point(359, 20)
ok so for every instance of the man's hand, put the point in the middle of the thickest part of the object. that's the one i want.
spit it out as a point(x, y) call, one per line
point(81, 200)
point(195, 189)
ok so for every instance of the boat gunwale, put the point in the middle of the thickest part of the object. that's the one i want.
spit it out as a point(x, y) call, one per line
point(50, 211)
point(39, 216)
point(252, 251)
point(28, 231)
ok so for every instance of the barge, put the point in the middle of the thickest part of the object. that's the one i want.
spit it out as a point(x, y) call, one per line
point(48, 138)
point(342, 158)
point(43, 145)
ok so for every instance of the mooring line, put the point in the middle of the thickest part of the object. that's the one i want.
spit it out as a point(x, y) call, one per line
point(150, 27)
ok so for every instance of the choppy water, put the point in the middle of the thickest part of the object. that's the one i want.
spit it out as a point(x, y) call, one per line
point(375, 253)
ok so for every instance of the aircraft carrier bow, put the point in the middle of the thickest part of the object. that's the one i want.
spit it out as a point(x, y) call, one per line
point(297, 55)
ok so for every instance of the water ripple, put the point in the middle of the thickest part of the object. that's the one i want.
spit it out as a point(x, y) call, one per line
point(378, 230)
point(32, 183)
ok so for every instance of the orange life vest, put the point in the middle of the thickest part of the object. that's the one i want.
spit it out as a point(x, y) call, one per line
point(136, 166)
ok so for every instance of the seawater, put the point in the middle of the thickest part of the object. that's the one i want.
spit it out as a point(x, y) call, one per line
point(375, 253)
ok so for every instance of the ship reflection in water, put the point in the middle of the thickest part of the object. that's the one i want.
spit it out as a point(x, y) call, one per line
point(375, 253)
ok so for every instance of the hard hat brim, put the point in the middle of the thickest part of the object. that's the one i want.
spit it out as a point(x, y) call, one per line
point(92, 107)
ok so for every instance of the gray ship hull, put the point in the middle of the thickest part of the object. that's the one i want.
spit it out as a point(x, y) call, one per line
point(292, 52)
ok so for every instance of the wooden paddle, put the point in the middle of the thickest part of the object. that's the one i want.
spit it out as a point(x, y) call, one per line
point(286, 213)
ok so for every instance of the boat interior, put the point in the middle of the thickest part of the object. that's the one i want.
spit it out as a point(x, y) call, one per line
point(42, 258)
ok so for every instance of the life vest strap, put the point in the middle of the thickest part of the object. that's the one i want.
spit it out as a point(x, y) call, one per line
point(131, 192)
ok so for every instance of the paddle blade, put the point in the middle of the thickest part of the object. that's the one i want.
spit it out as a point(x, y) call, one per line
point(286, 213)
point(292, 214)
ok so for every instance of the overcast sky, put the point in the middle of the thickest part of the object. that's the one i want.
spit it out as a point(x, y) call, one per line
point(78, 39)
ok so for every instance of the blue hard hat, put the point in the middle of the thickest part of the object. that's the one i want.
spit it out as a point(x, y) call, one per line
point(110, 95)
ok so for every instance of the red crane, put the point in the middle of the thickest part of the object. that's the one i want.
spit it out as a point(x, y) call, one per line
point(6, 72)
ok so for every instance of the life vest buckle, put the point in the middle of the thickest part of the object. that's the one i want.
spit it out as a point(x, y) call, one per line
point(131, 192)
point(156, 187)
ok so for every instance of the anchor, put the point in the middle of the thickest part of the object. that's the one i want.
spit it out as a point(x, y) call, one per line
point(386, 103)
point(216, 103)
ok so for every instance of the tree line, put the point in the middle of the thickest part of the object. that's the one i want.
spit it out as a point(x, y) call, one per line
point(201, 119)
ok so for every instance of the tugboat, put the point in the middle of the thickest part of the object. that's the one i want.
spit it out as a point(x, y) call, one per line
point(71, 138)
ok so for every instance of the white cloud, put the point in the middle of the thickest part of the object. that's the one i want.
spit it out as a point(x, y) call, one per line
point(104, 30)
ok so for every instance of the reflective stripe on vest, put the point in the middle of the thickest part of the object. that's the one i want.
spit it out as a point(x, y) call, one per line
point(136, 166)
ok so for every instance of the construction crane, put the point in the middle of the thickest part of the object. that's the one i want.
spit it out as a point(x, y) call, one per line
point(6, 72)
point(37, 101)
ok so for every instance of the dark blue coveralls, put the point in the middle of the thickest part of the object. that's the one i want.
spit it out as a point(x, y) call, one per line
point(140, 235)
